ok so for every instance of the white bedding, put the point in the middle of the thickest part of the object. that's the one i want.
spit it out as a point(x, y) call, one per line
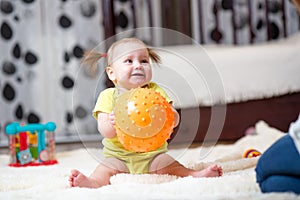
point(238, 181)
point(210, 74)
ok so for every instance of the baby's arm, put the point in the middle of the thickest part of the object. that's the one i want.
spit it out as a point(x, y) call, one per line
point(106, 123)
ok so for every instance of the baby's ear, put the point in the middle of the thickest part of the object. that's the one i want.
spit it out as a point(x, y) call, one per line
point(111, 74)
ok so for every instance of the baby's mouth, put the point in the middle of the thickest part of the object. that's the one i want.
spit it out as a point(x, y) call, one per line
point(137, 74)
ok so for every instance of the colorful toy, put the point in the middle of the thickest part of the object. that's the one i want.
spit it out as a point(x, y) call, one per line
point(144, 120)
point(250, 153)
point(30, 145)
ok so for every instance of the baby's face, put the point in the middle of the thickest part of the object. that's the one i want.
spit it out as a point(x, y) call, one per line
point(131, 67)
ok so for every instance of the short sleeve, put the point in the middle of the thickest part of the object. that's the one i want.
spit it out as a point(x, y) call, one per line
point(105, 102)
point(157, 88)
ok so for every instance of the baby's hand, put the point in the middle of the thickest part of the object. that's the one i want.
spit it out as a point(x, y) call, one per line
point(111, 117)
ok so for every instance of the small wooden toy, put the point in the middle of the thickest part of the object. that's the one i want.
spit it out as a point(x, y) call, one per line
point(30, 145)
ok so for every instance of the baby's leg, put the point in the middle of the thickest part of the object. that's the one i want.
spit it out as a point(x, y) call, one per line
point(100, 176)
point(165, 164)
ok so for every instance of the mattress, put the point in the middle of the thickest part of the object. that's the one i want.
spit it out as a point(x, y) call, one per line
point(207, 75)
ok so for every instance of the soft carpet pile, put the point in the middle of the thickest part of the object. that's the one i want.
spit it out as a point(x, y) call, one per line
point(238, 181)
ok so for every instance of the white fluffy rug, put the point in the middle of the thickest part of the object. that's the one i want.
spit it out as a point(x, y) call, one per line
point(238, 181)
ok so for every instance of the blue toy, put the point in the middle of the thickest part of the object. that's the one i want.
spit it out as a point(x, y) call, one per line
point(30, 145)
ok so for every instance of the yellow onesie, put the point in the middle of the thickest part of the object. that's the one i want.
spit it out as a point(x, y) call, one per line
point(137, 163)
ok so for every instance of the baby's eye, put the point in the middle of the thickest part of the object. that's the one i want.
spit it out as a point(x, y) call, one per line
point(145, 61)
point(129, 61)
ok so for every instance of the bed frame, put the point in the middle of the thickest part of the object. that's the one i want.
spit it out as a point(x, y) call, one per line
point(278, 112)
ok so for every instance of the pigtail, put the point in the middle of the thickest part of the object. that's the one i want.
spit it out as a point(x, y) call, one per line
point(90, 60)
point(154, 56)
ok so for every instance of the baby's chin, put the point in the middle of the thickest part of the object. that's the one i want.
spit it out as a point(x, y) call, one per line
point(138, 82)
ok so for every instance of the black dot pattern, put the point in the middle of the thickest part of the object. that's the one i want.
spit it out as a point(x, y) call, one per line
point(69, 117)
point(19, 112)
point(6, 7)
point(33, 118)
point(8, 68)
point(65, 22)
point(30, 58)
point(122, 20)
point(219, 21)
point(8, 92)
point(6, 31)
point(41, 55)
point(227, 4)
point(88, 9)
point(78, 51)
point(28, 1)
point(17, 51)
point(80, 112)
point(67, 82)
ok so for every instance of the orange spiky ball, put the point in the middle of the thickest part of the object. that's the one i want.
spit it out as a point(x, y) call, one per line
point(144, 120)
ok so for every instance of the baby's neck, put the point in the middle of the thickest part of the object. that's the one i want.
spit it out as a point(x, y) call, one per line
point(121, 90)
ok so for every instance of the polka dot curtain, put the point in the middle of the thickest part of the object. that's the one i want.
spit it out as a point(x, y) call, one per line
point(243, 21)
point(41, 78)
point(131, 14)
point(42, 43)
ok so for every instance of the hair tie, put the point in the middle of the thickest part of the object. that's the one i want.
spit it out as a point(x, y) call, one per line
point(104, 55)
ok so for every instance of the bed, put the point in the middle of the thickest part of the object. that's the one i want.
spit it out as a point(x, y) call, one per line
point(226, 85)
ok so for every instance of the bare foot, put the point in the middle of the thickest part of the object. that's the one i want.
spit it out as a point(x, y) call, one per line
point(78, 179)
point(211, 171)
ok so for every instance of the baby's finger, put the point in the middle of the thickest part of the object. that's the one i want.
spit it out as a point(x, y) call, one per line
point(112, 118)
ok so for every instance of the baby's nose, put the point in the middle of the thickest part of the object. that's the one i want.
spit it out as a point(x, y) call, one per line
point(138, 64)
